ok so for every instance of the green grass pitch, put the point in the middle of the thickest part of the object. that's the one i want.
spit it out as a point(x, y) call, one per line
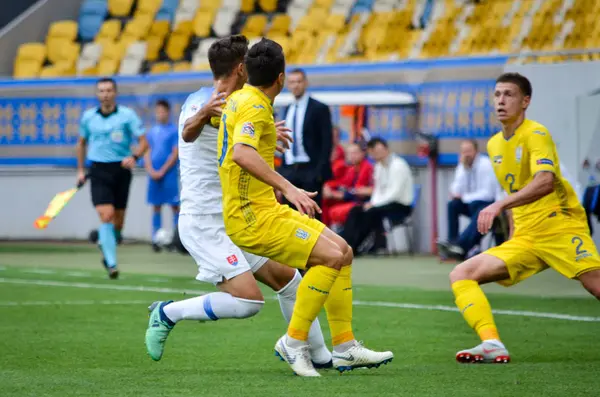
point(66, 330)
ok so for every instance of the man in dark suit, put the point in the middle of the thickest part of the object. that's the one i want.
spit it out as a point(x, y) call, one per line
point(307, 163)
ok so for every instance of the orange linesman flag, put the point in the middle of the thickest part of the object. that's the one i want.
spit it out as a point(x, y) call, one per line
point(56, 205)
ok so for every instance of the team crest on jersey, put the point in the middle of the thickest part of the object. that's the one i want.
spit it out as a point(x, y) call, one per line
point(248, 129)
point(497, 159)
point(232, 260)
point(194, 108)
point(519, 153)
point(116, 136)
point(304, 235)
point(544, 162)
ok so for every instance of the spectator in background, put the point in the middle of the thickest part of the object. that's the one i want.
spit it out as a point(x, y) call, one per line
point(352, 188)
point(338, 156)
point(393, 194)
point(307, 163)
point(474, 187)
point(161, 164)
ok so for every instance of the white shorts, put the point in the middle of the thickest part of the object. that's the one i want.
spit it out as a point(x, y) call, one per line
point(204, 237)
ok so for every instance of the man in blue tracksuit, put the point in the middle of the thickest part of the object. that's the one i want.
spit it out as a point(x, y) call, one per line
point(161, 163)
point(106, 135)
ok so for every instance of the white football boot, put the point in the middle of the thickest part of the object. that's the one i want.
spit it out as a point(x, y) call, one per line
point(359, 356)
point(487, 353)
point(298, 358)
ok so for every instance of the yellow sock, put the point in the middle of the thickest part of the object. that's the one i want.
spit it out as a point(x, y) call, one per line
point(339, 308)
point(475, 308)
point(310, 298)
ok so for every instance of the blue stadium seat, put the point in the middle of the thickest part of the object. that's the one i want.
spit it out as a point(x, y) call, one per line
point(89, 26)
point(93, 7)
point(164, 15)
point(169, 5)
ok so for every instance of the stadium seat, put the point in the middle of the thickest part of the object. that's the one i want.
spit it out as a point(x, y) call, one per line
point(176, 45)
point(200, 56)
point(202, 23)
point(59, 33)
point(89, 26)
point(183, 66)
point(160, 67)
point(138, 27)
point(119, 8)
point(107, 67)
point(223, 21)
point(110, 30)
point(280, 25)
point(268, 5)
point(247, 6)
point(255, 26)
point(90, 55)
point(154, 45)
point(94, 7)
point(29, 60)
point(147, 8)
point(134, 57)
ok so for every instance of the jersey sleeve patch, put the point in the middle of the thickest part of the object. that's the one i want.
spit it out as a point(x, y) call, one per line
point(248, 129)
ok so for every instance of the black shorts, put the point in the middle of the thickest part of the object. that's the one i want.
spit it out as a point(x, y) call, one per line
point(110, 184)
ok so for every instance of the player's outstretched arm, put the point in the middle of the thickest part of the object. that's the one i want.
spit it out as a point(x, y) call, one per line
point(541, 185)
point(248, 158)
point(193, 126)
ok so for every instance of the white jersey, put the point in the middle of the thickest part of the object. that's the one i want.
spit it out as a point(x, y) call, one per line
point(198, 168)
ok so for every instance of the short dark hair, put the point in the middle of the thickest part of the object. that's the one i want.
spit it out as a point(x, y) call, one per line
point(164, 103)
point(473, 142)
point(107, 80)
point(225, 54)
point(374, 141)
point(265, 62)
point(519, 80)
point(299, 71)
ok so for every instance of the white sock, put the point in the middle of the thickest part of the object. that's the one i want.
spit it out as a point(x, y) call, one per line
point(287, 298)
point(212, 306)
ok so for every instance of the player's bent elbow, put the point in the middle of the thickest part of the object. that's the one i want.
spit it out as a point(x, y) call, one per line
point(238, 155)
point(186, 135)
point(547, 183)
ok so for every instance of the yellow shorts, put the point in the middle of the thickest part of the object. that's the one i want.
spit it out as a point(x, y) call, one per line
point(569, 250)
point(282, 235)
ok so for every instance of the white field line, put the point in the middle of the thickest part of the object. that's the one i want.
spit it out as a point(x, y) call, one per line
point(140, 288)
point(74, 303)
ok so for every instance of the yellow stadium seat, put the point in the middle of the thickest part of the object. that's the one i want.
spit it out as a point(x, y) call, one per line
point(50, 71)
point(184, 27)
point(210, 5)
point(32, 52)
point(26, 69)
point(110, 29)
point(268, 5)
point(255, 26)
point(153, 48)
point(138, 27)
point(201, 67)
point(55, 48)
point(280, 24)
point(69, 53)
point(247, 6)
point(335, 23)
point(160, 29)
point(119, 8)
point(160, 67)
point(183, 66)
point(176, 46)
point(63, 30)
point(147, 8)
point(202, 23)
point(111, 51)
point(107, 67)
point(323, 3)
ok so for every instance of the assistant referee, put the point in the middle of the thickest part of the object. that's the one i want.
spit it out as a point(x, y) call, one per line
point(106, 135)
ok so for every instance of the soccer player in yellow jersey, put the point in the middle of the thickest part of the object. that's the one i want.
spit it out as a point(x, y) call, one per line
point(257, 223)
point(550, 226)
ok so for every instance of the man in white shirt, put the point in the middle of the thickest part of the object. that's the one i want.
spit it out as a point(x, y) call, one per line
point(474, 187)
point(392, 196)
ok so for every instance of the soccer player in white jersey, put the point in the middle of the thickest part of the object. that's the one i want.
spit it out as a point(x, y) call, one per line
point(201, 225)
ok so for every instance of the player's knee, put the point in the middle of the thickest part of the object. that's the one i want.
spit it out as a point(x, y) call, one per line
point(591, 282)
point(107, 216)
point(336, 259)
point(462, 271)
point(348, 255)
point(248, 307)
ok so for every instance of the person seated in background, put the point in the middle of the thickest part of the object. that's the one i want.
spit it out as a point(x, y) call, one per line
point(160, 162)
point(353, 187)
point(338, 156)
point(474, 187)
point(393, 195)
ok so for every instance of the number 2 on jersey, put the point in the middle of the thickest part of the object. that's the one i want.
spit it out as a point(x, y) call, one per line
point(510, 178)
point(578, 250)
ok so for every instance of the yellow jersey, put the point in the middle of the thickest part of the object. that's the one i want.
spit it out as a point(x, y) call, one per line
point(516, 161)
point(248, 120)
